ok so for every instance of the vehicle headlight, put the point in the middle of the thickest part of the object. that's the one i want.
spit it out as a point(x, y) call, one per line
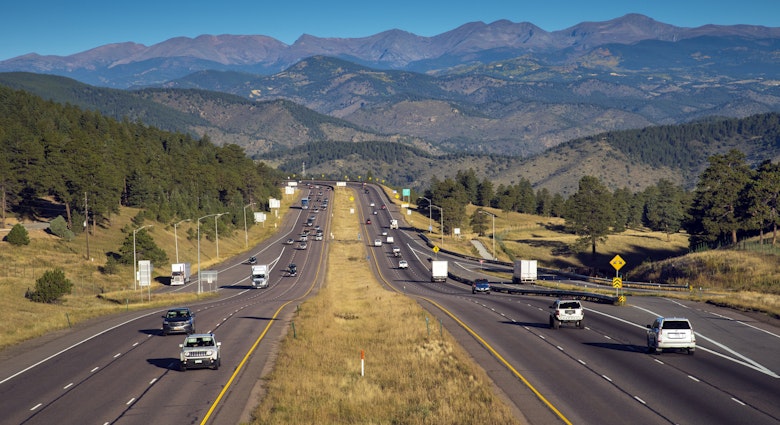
point(209, 352)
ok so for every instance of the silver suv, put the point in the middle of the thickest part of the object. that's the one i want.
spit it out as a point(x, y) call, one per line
point(200, 350)
point(567, 311)
point(670, 333)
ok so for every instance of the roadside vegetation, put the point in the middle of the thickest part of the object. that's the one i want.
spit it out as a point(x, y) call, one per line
point(412, 376)
point(94, 292)
point(745, 277)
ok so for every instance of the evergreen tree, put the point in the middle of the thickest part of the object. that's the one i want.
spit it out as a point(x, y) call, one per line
point(760, 202)
point(50, 287)
point(664, 207)
point(485, 193)
point(145, 249)
point(479, 222)
point(715, 210)
point(588, 212)
point(18, 235)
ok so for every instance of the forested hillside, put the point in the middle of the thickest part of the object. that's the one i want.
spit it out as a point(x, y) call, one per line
point(69, 155)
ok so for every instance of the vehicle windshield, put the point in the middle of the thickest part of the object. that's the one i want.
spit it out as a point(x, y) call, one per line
point(200, 342)
point(676, 324)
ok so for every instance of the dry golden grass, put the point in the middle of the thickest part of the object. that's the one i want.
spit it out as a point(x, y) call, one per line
point(726, 277)
point(94, 293)
point(411, 377)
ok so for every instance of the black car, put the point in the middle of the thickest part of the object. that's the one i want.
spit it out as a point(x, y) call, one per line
point(252, 260)
point(292, 269)
point(178, 320)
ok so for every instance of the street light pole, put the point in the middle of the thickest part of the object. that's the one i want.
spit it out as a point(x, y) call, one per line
point(199, 284)
point(495, 257)
point(176, 237)
point(246, 233)
point(430, 204)
point(216, 231)
point(135, 270)
point(441, 219)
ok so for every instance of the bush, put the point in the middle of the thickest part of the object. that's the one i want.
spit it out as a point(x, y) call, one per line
point(111, 267)
point(18, 236)
point(50, 287)
point(59, 227)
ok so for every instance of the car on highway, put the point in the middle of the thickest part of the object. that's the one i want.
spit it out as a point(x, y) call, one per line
point(567, 311)
point(252, 260)
point(178, 320)
point(368, 221)
point(302, 245)
point(200, 351)
point(377, 242)
point(481, 286)
point(402, 264)
point(292, 269)
point(671, 333)
point(289, 241)
point(371, 205)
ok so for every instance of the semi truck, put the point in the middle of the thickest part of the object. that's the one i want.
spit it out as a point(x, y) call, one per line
point(259, 276)
point(438, 271)
point(524, 271)
point(180, 273)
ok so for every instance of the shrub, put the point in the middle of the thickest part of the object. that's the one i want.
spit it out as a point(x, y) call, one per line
point(59, 227)
point(111, 267)
point(50, 287)
point(18, 236)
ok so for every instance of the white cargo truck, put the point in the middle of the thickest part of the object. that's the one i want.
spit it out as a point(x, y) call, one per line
point(180, 273)
point(438, 271)
point(393, 224)
point(259, 276)
point(390, 239)
point(524, 271)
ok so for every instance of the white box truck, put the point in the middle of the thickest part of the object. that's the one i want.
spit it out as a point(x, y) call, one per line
point(524, 271)
point(259, 276)
point(180, 273)
point(438, 271)
point(390, 240)
point(393, 224)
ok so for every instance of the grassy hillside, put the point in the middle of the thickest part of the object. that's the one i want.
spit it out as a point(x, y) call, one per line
point(95, 293)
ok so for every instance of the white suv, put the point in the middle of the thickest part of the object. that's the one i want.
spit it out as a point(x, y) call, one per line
point(670, 332)
point(567, 311)
point(200, 350)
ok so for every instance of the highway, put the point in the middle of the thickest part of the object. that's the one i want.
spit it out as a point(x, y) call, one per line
point(119, 370)
point(600, 374)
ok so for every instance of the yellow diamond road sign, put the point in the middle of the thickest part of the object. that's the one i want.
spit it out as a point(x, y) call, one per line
point(617, 262)
point(436, 249)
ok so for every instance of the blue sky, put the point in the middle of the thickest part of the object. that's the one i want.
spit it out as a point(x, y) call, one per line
point(56, 27)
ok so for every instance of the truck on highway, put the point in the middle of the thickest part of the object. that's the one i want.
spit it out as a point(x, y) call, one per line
point(438, 271)
point(180, 273)
point(393, 224)
point(524, 271)
point(259, 276)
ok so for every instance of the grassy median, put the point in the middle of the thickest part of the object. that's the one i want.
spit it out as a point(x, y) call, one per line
point(411, 375)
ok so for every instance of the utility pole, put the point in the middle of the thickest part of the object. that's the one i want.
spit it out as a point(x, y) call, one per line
point(86, 222)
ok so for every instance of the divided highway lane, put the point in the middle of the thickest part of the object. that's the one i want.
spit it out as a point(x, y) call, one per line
point(602, 374)
point(119, 370)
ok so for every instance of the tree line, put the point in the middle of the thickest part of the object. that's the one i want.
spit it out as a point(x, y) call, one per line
point(93, 165)
point(731, 201)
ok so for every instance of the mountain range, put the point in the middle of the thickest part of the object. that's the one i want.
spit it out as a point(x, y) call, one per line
point(487, 89)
